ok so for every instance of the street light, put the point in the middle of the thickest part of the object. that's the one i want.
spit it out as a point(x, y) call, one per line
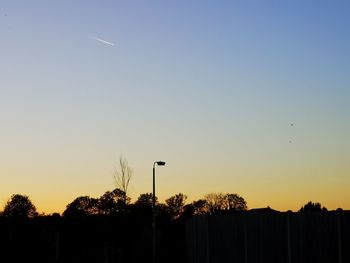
point(159, 163)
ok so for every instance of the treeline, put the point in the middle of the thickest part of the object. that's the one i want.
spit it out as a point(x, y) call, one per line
point(117, 203)
point(110, 228)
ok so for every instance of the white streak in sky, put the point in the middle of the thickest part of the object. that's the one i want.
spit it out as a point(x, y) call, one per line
point(103, 41)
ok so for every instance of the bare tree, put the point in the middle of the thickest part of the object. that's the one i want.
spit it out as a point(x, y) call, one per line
point(215, 202)
point(219, 202)
point(122, 176)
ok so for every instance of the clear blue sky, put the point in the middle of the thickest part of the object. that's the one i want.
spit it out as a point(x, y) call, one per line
point(211, 87)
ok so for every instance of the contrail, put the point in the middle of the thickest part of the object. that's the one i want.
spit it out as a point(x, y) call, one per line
point(103, 41)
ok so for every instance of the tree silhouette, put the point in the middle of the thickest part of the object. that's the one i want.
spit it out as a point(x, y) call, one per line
point(218, 202)
point(199, 207)
point(175, 205)
point(145, 200)
point(142, 208)
point(235, 202)
point(215, 202)
point(312, 207)
point(19, 206)
point(81, 207)
point(114, 202)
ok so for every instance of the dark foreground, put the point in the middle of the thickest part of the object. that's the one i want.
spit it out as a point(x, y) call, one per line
point(245, 237)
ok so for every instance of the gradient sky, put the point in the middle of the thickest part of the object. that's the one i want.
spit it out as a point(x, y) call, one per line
point(210, 87)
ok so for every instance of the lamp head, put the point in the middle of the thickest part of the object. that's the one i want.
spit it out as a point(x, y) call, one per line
point(160, 163)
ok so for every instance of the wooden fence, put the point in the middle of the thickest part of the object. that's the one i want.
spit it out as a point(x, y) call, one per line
point(269, 237)
point(90, 240)
point(239, 238)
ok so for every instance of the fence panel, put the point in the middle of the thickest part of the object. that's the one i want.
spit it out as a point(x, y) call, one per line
point(270, 237)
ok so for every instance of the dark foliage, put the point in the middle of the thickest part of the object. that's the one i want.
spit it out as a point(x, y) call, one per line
point(19, 206)
point(218, 203)
point(312, 207)
point(112, 203)
point(145, 200)
point(82, 206)
point(175, 205)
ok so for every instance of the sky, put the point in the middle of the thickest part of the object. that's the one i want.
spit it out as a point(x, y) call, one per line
point(246, 97)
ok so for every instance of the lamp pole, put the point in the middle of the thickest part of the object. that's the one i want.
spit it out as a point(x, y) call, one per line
point(159, 163)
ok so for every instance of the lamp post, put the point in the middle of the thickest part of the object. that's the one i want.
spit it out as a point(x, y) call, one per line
point(159, 163)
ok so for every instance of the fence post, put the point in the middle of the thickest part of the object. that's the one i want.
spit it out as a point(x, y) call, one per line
point(106, 252)
point(340, 256)
point(245, 239)
point(206, 236)
point(198, 239)
point(201, 241)
point(57, 246)
point(10, 246)
point(119, 255)
point(289, 252)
